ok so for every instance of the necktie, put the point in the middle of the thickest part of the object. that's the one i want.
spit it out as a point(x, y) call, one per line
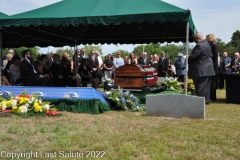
point(33, 67)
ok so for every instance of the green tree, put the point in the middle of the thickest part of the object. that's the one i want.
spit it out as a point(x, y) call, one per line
point(139, 49)
point(235, 39)
point(221, 45)
point(123, 53)
point(88, 49)
point(149, 48)
point(18, 51)
point(61, 51)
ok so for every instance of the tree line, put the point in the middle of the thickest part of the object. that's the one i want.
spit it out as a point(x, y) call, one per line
point(171, 50)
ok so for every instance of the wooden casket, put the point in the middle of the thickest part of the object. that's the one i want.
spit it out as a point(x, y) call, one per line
point(132, 76)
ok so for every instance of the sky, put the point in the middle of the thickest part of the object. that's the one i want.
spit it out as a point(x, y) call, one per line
point(218, 17)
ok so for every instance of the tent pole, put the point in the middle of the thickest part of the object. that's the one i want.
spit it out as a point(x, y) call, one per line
point(186, 68)
point(1, 55)
point(76, 62)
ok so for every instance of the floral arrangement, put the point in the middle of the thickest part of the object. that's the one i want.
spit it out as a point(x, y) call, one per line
point(123, 100)
point(24, 104)
point(190, 86)
point(107, 83)
point(170, 82)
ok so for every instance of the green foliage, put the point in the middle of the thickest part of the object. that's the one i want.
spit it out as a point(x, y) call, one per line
point(18, 51)
point(171, 50)
point(170, 82)
point(69, 51)
point(123, 53)
point(221, 45)
point(235, 39)
point(88, 49)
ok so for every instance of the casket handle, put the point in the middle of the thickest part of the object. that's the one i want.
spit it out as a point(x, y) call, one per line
point(5, 94)
point(38, 93)
point(71, 95)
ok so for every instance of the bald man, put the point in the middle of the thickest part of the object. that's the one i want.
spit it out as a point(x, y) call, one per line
point(201, 67)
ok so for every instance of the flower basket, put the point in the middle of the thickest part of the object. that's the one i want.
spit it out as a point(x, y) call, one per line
point(27, 105)
point(170, 83)
point(121, 100)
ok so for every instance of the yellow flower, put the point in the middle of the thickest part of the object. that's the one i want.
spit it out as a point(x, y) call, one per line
point(15, 109)
point(4, 102)
point(9, 103)
point(37, 107)
point(22, 100)
point(19, 111)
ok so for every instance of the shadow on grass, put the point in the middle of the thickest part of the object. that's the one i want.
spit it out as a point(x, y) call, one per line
point(220, 100)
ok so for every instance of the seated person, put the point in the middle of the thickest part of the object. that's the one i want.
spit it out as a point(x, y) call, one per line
point(29, 75)
point(66, 71)
point(56, 72)
point(5, 81)
point(43, 67)
point(86, 77)
point(14, 70)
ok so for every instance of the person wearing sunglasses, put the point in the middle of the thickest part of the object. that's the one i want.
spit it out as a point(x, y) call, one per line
point(118, 61)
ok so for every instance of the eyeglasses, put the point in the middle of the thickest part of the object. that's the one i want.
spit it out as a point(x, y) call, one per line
point(118, 54)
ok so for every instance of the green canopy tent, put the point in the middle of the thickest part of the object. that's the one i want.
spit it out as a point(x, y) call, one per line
point(73, 22)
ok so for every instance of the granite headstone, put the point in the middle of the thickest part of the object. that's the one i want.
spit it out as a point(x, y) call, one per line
point(175, 105)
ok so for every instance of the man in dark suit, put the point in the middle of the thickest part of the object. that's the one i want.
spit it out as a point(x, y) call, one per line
point(235, 62)
point(29, 74)
point(140, 59)
point(162, 66)
point(143, 60)
point(201, 67)
point(93, 65)
point(56, 72)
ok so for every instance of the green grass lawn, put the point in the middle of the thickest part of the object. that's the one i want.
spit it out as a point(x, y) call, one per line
point(126, 135)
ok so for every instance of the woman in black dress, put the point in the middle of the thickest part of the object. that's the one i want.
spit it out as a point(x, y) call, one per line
point(155, 61)
point(132, 59)
point(86, 77)
point(211, 40)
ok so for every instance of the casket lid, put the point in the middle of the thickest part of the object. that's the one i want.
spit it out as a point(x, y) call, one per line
point(132, 70)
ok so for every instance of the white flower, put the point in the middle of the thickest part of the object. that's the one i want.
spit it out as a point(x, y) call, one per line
point(14, 102)
point(24, 109)
point(31, 100)
point(27, 105)
point(36, 101)
point(40, 101)
point(46, 106)
point(4, 106)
